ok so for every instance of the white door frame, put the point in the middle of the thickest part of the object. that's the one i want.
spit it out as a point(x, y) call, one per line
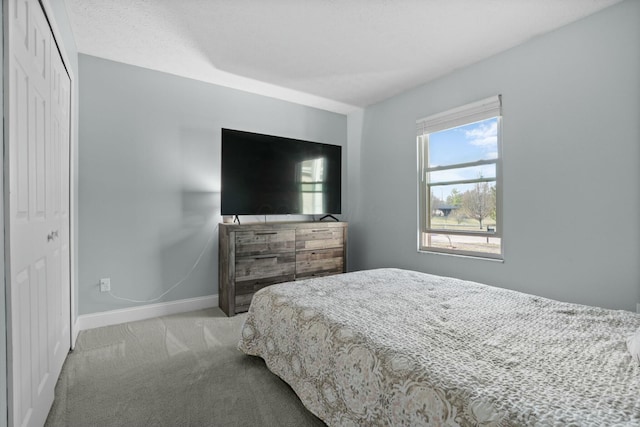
point(57, 35)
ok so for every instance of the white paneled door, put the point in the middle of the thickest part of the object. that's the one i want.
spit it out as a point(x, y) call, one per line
point(37, 222)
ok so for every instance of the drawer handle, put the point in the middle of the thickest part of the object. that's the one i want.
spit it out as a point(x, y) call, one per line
point(266, 233)
point(265, 256)
point(320, 231)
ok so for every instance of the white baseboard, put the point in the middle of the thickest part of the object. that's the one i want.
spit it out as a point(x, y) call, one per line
point(114, 317)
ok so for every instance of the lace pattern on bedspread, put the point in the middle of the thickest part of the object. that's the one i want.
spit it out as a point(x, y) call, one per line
point(396, 347)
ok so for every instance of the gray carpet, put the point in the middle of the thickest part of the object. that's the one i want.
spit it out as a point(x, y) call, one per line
point(180, 370)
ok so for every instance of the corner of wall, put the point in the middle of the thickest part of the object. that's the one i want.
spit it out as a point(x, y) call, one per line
point(355, 121)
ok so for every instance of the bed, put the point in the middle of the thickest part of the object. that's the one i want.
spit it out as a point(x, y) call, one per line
point(402, 348)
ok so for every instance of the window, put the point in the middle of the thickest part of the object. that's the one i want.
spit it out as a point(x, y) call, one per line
point(460, 180)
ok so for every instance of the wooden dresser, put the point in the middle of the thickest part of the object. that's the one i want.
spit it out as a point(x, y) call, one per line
point(253, 256)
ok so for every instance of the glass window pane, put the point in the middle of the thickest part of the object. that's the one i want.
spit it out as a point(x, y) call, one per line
point(462, 144)
point(484, 244)
point(466, 207)
point(458, 174)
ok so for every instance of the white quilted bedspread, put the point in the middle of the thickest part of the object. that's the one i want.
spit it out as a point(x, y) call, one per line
point(396, 347)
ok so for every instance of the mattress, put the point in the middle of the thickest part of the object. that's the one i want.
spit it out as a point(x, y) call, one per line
point(402, 348)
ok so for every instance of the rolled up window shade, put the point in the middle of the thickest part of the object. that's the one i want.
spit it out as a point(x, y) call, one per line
point(470, 113)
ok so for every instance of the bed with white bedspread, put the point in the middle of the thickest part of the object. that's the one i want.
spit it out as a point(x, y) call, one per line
point(397, 347)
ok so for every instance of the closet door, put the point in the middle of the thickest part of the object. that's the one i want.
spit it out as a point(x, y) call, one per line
point(37, 220)
point(60, 314)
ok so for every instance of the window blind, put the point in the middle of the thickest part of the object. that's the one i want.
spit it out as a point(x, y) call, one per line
point(470, 113)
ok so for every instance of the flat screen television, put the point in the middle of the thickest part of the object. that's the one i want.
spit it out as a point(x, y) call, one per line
point(271, 175)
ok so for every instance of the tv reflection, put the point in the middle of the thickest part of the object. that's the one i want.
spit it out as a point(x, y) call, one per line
point(311, 176)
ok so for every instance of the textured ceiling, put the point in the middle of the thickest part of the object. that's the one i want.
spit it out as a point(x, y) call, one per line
point(335, 55)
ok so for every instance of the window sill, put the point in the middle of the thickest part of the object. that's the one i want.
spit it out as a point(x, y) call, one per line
point(479, 256)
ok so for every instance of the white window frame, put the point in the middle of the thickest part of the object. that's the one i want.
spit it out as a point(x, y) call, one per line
point(471, 113)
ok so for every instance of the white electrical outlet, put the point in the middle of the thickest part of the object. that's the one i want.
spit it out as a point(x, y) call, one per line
point(105, 284)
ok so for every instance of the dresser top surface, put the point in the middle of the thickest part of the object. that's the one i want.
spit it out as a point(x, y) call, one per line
point(282, 225)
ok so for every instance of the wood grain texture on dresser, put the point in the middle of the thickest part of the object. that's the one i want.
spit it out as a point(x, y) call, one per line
point(252, 256)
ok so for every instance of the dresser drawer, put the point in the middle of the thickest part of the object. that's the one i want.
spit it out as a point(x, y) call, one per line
point(319, 238)
point(258, 267)
point(246, 288)
point(261, 242)
point(320, 262)
point(242, 303)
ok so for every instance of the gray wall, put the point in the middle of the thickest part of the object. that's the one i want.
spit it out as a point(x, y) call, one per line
point(150, 176)
point(571, 150)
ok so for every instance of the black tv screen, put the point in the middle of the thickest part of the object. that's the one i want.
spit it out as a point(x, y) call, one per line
point(270, 175)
